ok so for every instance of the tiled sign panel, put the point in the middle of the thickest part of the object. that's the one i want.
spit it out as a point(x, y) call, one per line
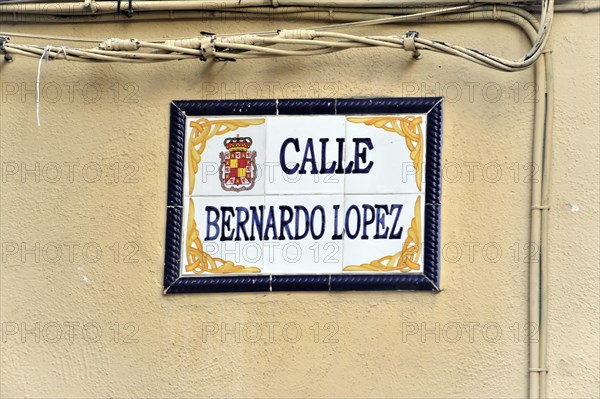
point(327, 200)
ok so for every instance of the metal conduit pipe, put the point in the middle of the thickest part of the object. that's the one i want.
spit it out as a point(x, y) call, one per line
point(345, 15)
point(49, 14)
point(104, 5)
point(111, 7)
point(541, 155)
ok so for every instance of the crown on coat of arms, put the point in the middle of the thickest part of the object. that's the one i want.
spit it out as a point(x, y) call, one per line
point(237, 143)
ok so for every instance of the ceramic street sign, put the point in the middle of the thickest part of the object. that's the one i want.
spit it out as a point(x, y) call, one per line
point(324, 194)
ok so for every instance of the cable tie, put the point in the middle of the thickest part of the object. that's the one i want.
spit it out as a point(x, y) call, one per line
point(538, 370)
point(540, 207)
point(3, 41)
point(91, 4)
point(62, 49)
point(409, 43)
point(495, 13)
point(129, 12)
point(207, 48)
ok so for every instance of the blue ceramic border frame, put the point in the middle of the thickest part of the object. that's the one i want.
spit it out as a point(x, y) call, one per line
point(429, 280)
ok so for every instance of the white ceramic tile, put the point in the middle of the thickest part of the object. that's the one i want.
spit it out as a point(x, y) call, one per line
point(361, 214)
point(213, 175)
point(277, 197)
point(308, 255)
point(392, 170)
point(222, 231)
point(306, 130)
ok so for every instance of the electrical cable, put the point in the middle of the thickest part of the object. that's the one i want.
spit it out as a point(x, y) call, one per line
point(254, 46)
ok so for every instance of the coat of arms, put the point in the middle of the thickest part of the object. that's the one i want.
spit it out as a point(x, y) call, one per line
point(237, 171)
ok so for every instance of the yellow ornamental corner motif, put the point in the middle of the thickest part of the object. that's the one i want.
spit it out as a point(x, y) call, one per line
point(408, 127)
point(406, 259)
point(199, 261)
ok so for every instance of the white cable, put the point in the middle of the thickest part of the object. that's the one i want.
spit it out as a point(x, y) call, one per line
point(44, 54)
point(62, 49)
point(318, 40)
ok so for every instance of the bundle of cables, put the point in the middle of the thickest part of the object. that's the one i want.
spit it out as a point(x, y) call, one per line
point(300, 42)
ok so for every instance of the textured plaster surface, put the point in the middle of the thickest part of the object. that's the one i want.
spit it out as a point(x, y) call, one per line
point(375, 344)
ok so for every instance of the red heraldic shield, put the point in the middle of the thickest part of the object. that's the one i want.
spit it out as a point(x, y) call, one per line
point(237, 171)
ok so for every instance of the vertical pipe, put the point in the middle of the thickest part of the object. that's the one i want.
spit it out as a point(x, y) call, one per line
point(535, 230)
point(546, 169)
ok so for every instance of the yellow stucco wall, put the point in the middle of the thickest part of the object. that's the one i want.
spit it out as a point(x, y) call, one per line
point(116, 117)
